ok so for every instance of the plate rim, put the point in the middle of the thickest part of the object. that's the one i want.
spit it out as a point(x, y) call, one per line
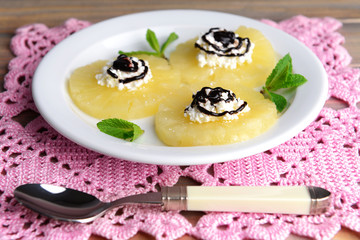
point(180, 155)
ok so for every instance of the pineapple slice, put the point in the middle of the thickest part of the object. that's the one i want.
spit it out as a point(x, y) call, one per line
point(248, 74)
point(104, 102)
point(176, 130)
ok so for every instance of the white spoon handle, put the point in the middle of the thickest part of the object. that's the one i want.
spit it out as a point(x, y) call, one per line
point(262, 199)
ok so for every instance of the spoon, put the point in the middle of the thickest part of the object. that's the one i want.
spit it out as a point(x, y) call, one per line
point(72, 205)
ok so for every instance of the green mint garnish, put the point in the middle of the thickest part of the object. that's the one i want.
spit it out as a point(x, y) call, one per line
point(120, 128)
point(282, 77)
point(154, 44)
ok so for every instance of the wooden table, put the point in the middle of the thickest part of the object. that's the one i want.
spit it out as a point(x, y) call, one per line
point(16, 13)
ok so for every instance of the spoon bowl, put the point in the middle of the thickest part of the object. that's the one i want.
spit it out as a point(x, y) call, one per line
point(72, 205)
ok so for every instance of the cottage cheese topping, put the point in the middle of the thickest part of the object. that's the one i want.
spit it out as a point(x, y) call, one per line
point(125, 72)
point(212, 104)
point(223, 48)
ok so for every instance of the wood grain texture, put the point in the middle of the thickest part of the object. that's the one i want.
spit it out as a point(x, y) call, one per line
point(17, 13)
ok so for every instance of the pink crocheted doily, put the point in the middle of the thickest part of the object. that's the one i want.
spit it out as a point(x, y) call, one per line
point(325, 154)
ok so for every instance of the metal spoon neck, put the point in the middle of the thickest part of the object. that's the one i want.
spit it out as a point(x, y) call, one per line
point(151, 198)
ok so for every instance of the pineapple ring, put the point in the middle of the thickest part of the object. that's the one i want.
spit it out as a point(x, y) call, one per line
point(251, 75)
point(174, 129)
point(104, 102)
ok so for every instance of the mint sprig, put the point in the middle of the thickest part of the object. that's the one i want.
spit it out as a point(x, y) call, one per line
point(120, 128)
point(282, 77)
point(154, 44)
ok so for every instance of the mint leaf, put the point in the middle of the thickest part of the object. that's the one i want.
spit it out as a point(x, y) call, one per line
point(295, 80)
point(172, 37)
point(152, 40)
point(120, 128)
point(139, 52)
point(279, 74)
point(280, 101)
point(154, 44)
point(282, 77)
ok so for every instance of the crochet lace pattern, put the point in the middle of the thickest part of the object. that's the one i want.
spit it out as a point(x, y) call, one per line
point(325, 154)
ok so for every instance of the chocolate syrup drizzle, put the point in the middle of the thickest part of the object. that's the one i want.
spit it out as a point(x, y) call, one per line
point(214, 96)
point(127, 64)
point(225, 38)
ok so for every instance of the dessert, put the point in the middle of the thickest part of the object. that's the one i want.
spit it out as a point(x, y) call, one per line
point(254, 74)
point(215, 104)
point(125, 72)
point(121, 101)
point(207, 94)
point(222, 48)
point(175, 129)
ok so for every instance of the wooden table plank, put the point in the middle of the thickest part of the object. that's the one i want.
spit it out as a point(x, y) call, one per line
point(351, 31)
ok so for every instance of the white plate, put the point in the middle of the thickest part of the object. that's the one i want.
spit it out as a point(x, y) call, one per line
point(104, 39)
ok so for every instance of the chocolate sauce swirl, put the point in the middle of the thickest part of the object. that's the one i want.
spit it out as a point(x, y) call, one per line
point(127, 64)
point(214, 96)
point(228, 42)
